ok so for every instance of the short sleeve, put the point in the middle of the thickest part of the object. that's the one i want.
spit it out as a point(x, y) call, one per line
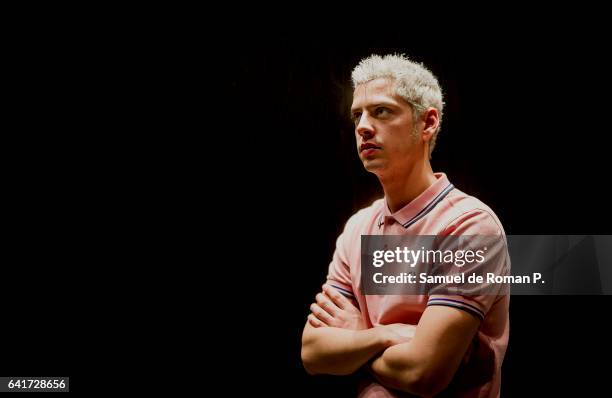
point(477, 226)
point(339, 273)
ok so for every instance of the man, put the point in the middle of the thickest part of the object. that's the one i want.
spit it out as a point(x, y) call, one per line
point(422, 345)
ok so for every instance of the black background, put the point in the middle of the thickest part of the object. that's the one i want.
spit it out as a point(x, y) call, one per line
point(245, 137)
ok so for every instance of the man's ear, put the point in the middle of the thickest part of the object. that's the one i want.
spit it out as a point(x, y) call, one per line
point(431, 120)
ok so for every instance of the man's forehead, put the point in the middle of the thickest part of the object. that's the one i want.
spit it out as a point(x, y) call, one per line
point(381, 90)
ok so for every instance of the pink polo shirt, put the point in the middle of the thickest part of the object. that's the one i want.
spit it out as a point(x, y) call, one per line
point(440, 210)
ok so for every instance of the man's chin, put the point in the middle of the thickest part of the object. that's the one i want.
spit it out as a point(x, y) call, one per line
point(373, 166)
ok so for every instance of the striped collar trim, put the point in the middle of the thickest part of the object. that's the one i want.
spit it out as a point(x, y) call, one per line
point(430, 206)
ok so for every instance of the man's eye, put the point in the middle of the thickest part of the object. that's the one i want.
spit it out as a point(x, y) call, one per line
point(356, 116)
point(381, 111)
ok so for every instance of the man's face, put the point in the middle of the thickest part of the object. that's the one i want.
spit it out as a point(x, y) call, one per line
point(384, 129)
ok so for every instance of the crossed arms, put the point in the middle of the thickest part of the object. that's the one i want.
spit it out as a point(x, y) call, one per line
point(419, 359)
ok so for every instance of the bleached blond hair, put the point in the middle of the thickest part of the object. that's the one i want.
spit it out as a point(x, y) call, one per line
point(413, 82)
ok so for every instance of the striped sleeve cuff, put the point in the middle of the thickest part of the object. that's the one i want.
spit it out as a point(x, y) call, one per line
point(457, 303)
point(344, 289)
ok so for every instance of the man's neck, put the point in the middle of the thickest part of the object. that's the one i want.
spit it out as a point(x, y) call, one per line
point(401, 190)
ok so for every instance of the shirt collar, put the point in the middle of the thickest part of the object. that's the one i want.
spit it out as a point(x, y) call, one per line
point(422, 204)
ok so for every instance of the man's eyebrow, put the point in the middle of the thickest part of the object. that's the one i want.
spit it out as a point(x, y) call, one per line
point(382, 103)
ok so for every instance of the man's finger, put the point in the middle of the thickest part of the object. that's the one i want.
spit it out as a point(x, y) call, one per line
point(321, 315)
point(314, 322)
point(338, 299)
point(326, 304)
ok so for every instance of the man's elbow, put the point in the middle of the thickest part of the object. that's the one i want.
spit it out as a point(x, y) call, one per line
point(308, 352)
point(425, 384)
point(314, 363)
point(418, 380)
point(311, 359)
point(308, 361)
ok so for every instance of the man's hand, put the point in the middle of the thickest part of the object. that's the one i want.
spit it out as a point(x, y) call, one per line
point(334, 310)
point(336, 339)
point(397, 333)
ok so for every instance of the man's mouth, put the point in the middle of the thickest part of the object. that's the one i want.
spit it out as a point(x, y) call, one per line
point(366, 146)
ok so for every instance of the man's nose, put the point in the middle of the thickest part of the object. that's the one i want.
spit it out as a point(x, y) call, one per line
point(364, 127)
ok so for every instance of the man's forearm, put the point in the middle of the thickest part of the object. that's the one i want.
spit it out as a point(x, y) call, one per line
point(338, 351)
point(395, 368)
point(426, 365)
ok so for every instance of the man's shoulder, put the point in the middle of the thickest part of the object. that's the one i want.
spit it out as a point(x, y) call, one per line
point(366, 216)
point(469, 211)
